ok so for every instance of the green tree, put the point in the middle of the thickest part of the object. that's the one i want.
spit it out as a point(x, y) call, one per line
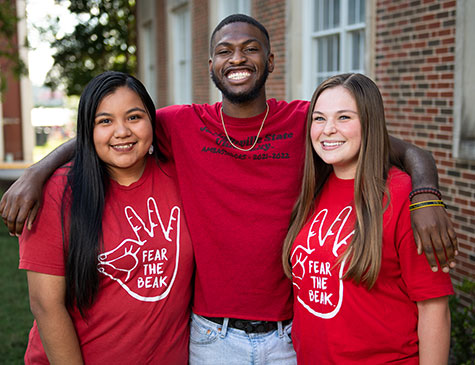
point(9, 53)
point(103, 39)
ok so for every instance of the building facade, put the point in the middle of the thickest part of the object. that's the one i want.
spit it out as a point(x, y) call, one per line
point(16, 132)
point(418, 52)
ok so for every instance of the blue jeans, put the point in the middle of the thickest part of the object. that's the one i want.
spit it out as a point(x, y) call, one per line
point(212, 343)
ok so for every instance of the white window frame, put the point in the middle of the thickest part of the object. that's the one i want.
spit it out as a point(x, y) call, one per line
point(464, 86)
point(181, 38)
point(344, 30)
point(146, 22)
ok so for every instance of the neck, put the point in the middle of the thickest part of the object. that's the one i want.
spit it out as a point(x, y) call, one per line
point(127, 176)
point(245, 110)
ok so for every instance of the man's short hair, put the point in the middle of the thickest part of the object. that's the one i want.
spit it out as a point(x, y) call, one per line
point(239, 18)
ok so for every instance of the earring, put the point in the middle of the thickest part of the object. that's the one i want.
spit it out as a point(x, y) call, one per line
point(150, 149)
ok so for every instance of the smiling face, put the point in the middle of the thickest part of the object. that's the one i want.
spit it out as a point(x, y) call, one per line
point(240, 62)
point(336, 131)
point(122, 134)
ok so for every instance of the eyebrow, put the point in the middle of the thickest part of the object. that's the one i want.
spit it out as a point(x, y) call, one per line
point(128, 112)
point(245, 43)
point(338, 111)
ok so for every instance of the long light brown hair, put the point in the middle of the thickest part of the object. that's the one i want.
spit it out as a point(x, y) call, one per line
point(364, 252)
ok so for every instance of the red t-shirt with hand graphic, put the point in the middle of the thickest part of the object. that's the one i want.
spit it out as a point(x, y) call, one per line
point(339, 322)
point(142, 310)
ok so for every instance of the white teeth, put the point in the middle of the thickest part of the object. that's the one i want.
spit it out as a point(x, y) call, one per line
point(332, 144)
point(238, 75)
point(123, 146)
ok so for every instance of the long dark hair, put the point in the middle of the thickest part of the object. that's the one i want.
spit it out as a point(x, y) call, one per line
point(87, 182)
point(374, 161)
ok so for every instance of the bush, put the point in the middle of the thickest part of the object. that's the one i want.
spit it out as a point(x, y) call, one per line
point(462, 347)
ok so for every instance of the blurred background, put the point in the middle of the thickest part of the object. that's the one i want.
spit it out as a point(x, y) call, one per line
point(419, 52)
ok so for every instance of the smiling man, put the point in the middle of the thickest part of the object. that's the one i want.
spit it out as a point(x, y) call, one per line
point(239, 164)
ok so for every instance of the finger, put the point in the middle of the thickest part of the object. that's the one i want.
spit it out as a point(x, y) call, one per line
point(455, 242)
point(453, 239)
point(449, 251)
point(21, 218)
point(418, 243)
point(11, 219)
point(440, 252)
point(32, 215)
point(173, 230)
point(154, 216)
point(137, 224)
point(429, 251)
point(2, 205)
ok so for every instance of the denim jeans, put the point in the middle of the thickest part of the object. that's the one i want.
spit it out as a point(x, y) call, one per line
point(212, 344)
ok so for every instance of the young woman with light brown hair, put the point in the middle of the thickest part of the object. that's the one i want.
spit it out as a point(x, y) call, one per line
point(362, 294)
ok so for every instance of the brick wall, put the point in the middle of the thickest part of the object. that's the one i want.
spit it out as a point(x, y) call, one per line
point(272, 14)
point(200, 50)
point(414, 67)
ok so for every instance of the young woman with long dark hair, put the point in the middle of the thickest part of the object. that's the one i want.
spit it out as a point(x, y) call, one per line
point(362, 294)
point(109, 258)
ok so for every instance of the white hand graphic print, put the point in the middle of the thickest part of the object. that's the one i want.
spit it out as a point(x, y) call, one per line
point(319, 291)
point(140, 265)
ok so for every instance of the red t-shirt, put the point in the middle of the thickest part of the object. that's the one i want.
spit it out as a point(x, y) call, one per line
point(142, 310)
point(339, 322)
point(238, 204)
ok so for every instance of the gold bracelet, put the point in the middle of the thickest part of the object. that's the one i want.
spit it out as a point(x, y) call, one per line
point(427, 205)
point(427, 201)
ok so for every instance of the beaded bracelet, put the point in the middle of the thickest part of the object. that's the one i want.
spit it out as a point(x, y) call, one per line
point(427, 190)
point(427, 203)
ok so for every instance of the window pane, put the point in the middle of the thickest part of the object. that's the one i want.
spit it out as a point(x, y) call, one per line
point(336, 13)
point(326, 14)
point(228, 7)
point(356, 11)
point(328, 53)
point(351, 11)
point(321, 51)
point(357, 50)
point(362, 11)
point(333, 53)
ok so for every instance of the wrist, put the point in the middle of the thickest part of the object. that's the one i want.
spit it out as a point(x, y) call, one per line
point(424, 197)
point(425, 190)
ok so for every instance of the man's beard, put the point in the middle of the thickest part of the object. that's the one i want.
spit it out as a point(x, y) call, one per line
point(243, 97)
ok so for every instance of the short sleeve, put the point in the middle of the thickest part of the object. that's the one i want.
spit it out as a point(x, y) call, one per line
point(41, 248)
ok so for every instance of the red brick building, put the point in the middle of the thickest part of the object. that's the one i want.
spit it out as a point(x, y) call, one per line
point(16, 133)
point(418, 52)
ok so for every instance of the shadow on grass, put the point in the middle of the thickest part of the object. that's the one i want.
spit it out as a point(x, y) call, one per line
point(15, 316)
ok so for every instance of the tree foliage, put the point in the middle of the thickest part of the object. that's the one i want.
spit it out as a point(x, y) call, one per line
point(9, 53)
point(103, 39)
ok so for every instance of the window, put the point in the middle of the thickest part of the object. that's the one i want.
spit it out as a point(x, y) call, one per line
point(146, 42)
point(334, 40)
point(228, 7)
point(182, 85)
point(464, 107)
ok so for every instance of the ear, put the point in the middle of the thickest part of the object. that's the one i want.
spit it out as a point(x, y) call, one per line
point(270, 62)
point(210, 65)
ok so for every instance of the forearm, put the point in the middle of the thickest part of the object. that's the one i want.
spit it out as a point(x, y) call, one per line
point(55, 325)
point(434, 331)
point(417, 162)
point(58, 157)
point(59, 338)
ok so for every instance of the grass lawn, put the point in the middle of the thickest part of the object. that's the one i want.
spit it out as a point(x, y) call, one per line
point(15, 315)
